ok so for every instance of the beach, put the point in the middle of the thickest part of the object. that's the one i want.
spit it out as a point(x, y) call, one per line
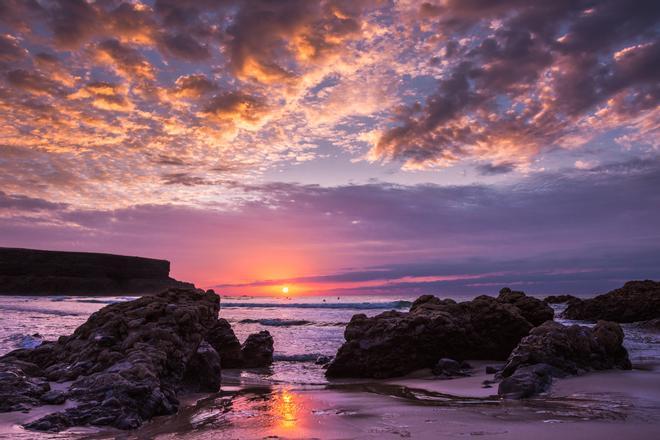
point(293, 399)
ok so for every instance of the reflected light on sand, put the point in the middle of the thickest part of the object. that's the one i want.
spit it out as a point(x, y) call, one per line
point(286, 409)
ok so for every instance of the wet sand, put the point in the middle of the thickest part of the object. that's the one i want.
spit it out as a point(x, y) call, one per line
point(603, 405)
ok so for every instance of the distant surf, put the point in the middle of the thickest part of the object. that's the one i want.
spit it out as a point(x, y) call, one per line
point(277, 322)
point(401, 304)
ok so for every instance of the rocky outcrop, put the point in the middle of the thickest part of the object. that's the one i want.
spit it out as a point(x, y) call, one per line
point(555, 350)
point(560, 299)
point(127, 362)
point(257, 350)
point(635, 301)
point(395, 343)
point(534, 310)
point(37, 272)
point(224, 341)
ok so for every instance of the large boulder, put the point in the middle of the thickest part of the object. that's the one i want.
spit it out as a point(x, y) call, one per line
point(534, 310)
point(127, 362)
point(635, 301)
point(555, 350)
point(395, 343)
point(223, 339)
point(257, 350)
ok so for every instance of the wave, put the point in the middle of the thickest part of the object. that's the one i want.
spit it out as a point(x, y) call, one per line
point(307, 357)
point(25, 341)
point(277, 322)
point(401, 304)
point(39, 310)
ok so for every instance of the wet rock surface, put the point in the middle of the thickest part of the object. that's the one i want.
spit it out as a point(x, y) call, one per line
point(395, 343)
point(556, 350)
point(257, 350)
point(635, 301)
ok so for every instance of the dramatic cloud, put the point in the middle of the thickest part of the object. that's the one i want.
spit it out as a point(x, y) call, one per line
point(527, 76)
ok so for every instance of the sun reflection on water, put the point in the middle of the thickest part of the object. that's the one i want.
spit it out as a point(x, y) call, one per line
point(286, 409)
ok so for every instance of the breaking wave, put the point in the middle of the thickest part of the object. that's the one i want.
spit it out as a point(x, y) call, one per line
point(307, 357)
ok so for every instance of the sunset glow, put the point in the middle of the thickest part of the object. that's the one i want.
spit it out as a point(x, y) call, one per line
point(341, 147)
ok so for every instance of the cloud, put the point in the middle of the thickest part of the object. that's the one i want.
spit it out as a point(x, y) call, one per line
point(186, 47)
point(577, 231)
point(529, 83)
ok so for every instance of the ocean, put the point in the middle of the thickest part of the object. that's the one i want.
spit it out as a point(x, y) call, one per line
point(303, 328)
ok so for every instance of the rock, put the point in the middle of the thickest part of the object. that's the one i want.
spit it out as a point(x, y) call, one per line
point(203, 373)
point(123, 374)
point(492, 370)
point(38, 272)
point(562, 350)
point(526, 382)
point(257, 350)
point(53, 397)
point(18, 390)
point(224, 341)
point(323, 360)
point(635, 301)
point(534, 310)
point(650, 325)
point(395, 343)
point(449, 368)
point(560, 299)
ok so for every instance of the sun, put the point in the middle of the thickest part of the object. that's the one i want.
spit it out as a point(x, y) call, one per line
point(285, 289)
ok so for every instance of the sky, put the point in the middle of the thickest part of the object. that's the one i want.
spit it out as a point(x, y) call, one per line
point(338, 146)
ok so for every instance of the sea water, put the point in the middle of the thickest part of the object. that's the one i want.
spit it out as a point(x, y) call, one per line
point(303, 328)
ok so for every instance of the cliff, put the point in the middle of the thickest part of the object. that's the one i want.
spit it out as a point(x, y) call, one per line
point(37, 272)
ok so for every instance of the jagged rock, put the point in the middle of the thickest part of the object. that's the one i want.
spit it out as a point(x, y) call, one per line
point(560, 299)
point(19, 390)
point(635, 301)
point(224, 341)
point(323, 360)
point(257, 350)
point(526, 382)
point(534, 310)
point(203, 373)
point(449, 368)
point(395, 343)
point(127, 361)
point(562, 350)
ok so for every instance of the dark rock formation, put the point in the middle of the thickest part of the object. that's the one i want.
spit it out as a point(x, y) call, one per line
point(534, 310)
point(224, 341)
point(127, 362)
point(257, 350)
point(635, 301)
point(447, 368)
point(37, 272)
point(556, 350)
point(560, 299)
point(203, 372)
point(526, 381)
point(395, 343)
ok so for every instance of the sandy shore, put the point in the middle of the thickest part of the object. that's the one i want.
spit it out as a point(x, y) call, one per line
point(604, 405)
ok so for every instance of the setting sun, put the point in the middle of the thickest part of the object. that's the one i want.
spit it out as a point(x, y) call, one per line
point(285, 289)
